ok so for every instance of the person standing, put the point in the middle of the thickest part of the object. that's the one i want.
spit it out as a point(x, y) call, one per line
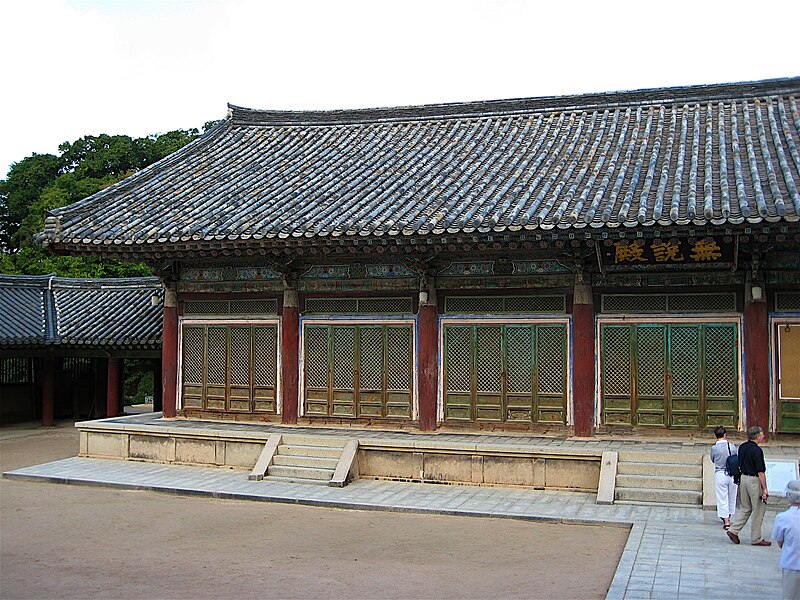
point(724, 484)
point(752, 489)
point(787, 533)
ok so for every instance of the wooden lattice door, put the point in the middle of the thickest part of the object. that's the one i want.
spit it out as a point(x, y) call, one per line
point(230, 367)
point(682, 375)
point(505, 373)
point(358, 370)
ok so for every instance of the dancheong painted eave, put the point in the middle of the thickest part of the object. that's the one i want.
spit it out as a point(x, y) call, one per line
point(717, 155)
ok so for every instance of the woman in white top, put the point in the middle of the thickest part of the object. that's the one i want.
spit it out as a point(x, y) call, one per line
point(725, 487)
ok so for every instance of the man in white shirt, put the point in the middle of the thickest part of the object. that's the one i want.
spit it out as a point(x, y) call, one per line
point(787, 533)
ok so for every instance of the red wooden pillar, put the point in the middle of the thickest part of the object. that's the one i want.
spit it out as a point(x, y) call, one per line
point(428, 367)
point(290, 358)
point(756, 357)
point(583, 359)
point(112, 393)
point(48, 390)
point(169, 353)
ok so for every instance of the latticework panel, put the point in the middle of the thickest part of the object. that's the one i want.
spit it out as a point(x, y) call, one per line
point(239, 360)
point(398, 358)
point(370, 358)
point(535, 304)
point(678, 303)
point(505, 304)
point(15, 369)
point(205, 307)
point(702, 302)
point(316, 356)
point(380, 355)
point(76, 365)
point(551, 358)
point(651, 355)
point(253, 307)
point(616, 356)
point(265, 352)
point(331, 306)
point(488, 358)
point(633, 303)
point(344, 357)
point(458, 342)
point(720, 360)
point(787, 301)
point(216, 354)
point(385, 306)
point(473, 305)
point(684, 359)
point(519, 359)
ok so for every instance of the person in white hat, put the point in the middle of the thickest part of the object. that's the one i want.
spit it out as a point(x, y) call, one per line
point(787, 533)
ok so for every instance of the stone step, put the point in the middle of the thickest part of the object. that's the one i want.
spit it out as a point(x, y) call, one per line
point(659, 469)
point(667, 458)
point(291, 460)
point(279, 479)
point(692, 484)
point(659, 496)
point(300, 472)
point(310, 440)
point(307, 450)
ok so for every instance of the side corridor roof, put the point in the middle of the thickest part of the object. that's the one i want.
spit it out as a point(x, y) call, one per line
point(702, 155)
point(45, 310)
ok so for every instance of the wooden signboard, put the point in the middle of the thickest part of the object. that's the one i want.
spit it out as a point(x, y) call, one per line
point(668, 253)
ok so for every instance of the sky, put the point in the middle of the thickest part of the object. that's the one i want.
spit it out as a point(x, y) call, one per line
point(71, 68)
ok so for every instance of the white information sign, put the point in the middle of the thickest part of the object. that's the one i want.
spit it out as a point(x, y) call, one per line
point(779, 473)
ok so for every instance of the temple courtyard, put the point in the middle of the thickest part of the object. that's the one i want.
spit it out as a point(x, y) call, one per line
point(212, 533)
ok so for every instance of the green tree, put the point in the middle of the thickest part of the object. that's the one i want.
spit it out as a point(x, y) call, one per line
point(26, 181)
point(41, 183)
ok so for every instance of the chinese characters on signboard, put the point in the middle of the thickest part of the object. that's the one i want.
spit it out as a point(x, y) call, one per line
point(694, 253)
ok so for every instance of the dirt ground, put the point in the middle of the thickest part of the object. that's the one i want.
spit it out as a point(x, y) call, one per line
point(64, 541)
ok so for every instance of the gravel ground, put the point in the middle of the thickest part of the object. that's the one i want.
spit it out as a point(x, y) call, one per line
point(61, 541)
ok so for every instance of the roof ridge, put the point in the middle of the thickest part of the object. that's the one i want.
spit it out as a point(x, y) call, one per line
point(242, 116)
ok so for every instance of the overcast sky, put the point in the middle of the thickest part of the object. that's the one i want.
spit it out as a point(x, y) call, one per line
point(136, 67)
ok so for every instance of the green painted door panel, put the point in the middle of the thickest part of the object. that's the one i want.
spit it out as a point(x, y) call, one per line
point(230, 368)
point(358, 371)
point(679, 376)
point(505, 373)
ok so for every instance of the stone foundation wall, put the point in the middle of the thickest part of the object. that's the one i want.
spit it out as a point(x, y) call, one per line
point(540, 472)
point(437, 464)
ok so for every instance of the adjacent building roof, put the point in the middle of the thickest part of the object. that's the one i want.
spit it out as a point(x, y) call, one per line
point(54, 311)
point(704, 155)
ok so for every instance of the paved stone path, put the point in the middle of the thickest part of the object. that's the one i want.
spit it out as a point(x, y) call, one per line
point(671, 552)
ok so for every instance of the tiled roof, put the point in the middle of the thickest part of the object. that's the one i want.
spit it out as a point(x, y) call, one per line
point(704, 155)
point(46, 310)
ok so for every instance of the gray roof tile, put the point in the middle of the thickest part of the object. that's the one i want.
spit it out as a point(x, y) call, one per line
point(47, 310)
point(720, 154)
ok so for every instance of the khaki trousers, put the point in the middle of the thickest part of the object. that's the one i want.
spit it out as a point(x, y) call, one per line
point(791, 584)
point(749, 504)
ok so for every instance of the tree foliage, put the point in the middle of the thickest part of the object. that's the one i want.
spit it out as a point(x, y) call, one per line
point(43, 182)
point(25, 183)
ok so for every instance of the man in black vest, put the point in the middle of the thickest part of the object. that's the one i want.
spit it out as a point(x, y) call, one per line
point(752, 489)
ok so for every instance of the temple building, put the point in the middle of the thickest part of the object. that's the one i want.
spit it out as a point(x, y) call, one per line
point(577, 264)
point(64, 343)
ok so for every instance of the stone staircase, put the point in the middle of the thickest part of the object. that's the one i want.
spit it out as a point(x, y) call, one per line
point(659, 478)
point(307, 459)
